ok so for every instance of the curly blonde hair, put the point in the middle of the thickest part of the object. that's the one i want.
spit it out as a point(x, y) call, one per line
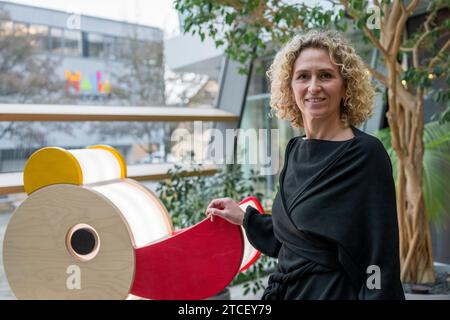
point(359, 94)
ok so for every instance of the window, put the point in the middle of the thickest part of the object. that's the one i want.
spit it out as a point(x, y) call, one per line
point(109, 47)
point(39, 37)
point(56, 40)
point(95, 45)
point(153, 51)
point(72, 42)
point(259, 84)
point(6, 28)
point(20, 29)
point(122, 47)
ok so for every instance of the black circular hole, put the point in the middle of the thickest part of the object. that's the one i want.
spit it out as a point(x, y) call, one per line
point(83, 241)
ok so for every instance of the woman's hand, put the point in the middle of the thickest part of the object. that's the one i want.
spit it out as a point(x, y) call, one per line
point(227, 209)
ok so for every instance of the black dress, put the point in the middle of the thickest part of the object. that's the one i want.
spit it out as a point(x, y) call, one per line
point(333, 223)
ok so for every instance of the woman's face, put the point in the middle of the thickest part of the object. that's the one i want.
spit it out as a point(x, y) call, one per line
point(317, 85)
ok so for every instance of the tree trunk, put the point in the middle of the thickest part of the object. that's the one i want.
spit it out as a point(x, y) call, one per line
point(406, 122)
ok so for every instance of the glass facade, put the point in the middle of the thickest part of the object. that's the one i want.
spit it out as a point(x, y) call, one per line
point(122, 47)
point(95, 45)
point(20, 29)
point(39, 37)
point(6, 28)
point(257, 115)
point(72, 43)
point(56, 41)
point(109, 49)
point(138, 142)
point(60, 41)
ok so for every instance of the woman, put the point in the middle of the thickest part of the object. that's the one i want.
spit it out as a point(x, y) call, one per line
point(333, 226)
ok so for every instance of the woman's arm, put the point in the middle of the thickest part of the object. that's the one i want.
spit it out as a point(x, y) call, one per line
point(259, 231)
point(382, 261)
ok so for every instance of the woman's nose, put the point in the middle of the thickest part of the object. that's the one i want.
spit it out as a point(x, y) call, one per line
point(314, 87)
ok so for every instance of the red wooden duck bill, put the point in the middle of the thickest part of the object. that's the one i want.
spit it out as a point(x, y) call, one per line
point(194, 263)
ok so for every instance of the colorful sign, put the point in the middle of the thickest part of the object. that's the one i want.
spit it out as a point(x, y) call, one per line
point(92, 84)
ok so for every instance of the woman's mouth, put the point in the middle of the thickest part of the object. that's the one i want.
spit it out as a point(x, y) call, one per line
point(315, 100)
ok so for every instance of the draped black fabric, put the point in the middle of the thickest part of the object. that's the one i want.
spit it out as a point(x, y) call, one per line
point(333, 221)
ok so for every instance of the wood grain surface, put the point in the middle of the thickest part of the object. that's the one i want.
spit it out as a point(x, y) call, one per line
point(36, 259)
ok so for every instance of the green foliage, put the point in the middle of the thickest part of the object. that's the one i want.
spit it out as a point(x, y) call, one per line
point(443, 116)
point(417, 77)
point(246, 27)
point(441, 93)
point(435, 81)
point(186, 199)
point(436, 167)
point(252, 276)
point(436, 177)
point(429, 78)
point(433, 77)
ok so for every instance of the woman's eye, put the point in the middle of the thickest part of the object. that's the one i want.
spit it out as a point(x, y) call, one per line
point(326, 76)
point(302, 76)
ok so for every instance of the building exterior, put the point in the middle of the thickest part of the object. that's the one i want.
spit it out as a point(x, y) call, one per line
point(94, 61)
point(92, 53)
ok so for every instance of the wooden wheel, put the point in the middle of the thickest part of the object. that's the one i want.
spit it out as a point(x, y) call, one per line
point(39, 248)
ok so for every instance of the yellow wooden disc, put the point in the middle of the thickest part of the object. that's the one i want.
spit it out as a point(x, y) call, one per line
point(49, 166)
point(39, 260)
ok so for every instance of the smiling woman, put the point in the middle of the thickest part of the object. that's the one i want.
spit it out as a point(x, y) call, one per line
point(333, 226)
point(320, 65)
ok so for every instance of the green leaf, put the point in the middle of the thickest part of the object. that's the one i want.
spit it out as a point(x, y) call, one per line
point(229, 17)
